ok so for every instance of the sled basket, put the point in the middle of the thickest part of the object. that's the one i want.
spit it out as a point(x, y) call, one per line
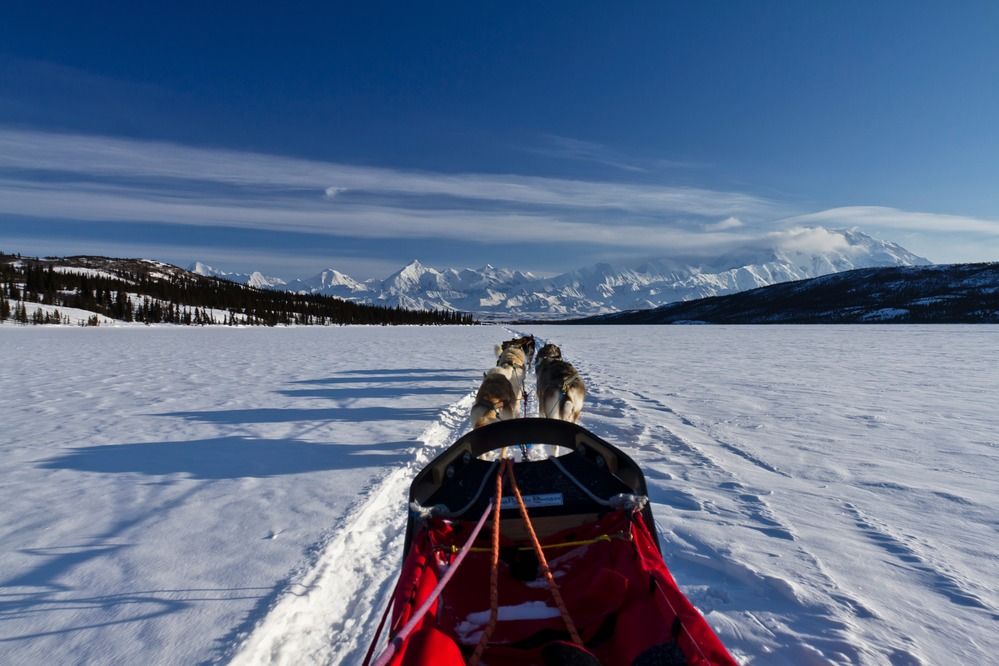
point(589, 512)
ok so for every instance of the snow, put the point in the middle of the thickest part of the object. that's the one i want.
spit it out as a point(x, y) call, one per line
point(90, 272)
point(76, 316)
point(173, 495)
point(529, 610)
point(470, 630)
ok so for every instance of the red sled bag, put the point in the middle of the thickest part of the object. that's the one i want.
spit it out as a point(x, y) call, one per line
point(572, 576)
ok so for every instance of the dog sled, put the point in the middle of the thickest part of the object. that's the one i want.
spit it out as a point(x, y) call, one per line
point(549, 562)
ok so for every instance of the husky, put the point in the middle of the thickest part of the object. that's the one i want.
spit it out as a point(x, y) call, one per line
point(526, 344)
point(516, 376)
point(512, 357)
point(560, 391)
point(513, 364)
point(495, 400)
point(549, 352)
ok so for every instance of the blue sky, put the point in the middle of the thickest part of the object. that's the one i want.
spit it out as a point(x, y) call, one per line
point(291, 139)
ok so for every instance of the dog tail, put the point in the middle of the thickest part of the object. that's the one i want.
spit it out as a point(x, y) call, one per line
point(498, 349)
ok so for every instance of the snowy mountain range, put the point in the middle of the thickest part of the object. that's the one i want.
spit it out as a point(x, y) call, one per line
point(938, 294)
point(492, 292)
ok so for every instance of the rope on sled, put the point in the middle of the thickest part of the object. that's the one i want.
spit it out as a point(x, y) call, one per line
point(487, 632)
point(493, 570)
point(400, 638)
point(542, 560)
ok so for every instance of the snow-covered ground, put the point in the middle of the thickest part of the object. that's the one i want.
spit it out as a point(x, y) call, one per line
point(182, 495)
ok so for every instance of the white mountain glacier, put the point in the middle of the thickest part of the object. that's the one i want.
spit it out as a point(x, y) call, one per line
point(491, 292)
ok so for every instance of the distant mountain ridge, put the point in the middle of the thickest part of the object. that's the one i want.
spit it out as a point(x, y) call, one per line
point(492, 292)
point(939, 294)
point(255, 279)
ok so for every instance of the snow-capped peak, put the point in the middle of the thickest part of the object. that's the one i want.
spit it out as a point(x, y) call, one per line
point(413, 275)
point(255, 279)
point(792, 254)
point(261, 281)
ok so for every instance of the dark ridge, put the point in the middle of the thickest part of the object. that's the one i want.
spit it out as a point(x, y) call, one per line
point(940, 294)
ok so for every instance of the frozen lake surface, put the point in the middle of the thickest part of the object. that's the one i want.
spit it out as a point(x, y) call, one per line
point(176, 495)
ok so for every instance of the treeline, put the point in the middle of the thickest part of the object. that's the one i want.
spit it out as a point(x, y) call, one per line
point(133, 290)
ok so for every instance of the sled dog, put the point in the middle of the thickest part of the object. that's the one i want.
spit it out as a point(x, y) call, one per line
point(512, 357)
point(515, 374)
point(514, 365)
point(560, 391)
point(526, 344)
point(495, 400)
point(549, 352)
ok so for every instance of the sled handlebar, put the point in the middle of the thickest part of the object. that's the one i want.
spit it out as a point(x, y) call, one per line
point(455, 479)
point(514, 432)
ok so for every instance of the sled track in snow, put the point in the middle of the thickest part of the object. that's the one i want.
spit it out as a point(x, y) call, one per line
point(328, 613)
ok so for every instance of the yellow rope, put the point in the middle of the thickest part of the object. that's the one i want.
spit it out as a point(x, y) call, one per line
point(564, 544)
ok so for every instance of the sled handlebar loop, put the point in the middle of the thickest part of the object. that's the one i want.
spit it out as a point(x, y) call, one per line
point(400, 638)
point(512, 432)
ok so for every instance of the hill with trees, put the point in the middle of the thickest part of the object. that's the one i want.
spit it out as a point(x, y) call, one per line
point(32, 290)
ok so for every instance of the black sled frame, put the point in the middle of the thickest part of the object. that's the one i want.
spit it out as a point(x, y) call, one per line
point(593, 478)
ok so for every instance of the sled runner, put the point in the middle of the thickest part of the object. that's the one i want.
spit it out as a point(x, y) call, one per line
point(564, 569)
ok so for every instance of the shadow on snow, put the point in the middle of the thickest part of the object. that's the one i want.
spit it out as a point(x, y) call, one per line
point(390, 379)
point(372, 392)
point(228, 457)
point(46, 588)
point(289, 415)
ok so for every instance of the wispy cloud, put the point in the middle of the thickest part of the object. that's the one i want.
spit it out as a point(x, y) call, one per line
point(868, 217)
point(561, 147)
point(89, 202)
point(85, 178)
point(93, 156)
point(724, 225)
point(78, 177)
